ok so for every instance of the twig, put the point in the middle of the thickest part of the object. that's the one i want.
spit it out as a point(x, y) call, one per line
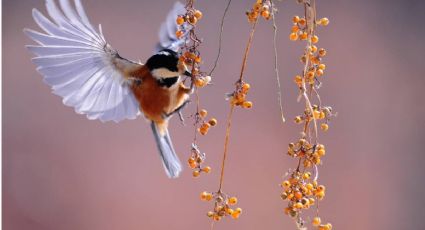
point(276, 68)
point(220, 37)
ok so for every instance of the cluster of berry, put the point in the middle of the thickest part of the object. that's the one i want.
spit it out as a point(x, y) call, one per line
point(191, 58)
point(260, 7)
point(300, 189)
point(222, 206)
point(205, 125)
point(192, 16)
point(195, 162)
point(309, 154)
point(238, 98)
point(319, 113)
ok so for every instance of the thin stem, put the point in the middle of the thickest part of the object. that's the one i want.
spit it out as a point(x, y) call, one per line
point(226, 144)
point(248, 47)
point(232, 107)
point(276, 68)
point(220, 37)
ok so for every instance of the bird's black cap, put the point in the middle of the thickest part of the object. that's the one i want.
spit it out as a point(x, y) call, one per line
point(165, 58)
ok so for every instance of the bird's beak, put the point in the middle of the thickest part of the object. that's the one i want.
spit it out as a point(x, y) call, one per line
point(187, 73)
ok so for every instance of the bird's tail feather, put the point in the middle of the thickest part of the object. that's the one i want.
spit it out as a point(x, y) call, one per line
point(169, 158)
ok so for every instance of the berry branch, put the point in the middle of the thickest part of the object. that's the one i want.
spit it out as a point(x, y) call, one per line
point(301, 189)
point(191, 57)
point(222, 201)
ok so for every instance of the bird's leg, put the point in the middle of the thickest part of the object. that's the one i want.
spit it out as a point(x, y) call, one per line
point(178, 110)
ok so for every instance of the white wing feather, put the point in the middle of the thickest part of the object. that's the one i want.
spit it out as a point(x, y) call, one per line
point(80, 66)
point(167, 31)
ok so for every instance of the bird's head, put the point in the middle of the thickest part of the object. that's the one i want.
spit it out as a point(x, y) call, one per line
point(165, 64)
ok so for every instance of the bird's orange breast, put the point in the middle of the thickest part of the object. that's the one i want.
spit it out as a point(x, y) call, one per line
point(153, 99)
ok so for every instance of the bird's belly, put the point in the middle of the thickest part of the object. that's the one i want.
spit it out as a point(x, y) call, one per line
point(155, 101)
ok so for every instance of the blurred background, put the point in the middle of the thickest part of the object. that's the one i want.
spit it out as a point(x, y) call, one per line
point(62, 171)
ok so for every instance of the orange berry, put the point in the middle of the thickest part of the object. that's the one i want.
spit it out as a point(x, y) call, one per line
point(304, 36)
point(316, 114)
point(321, 188)
point(208, 196)
point(179, 33)
point(213, 122)
point(203, 113)
point(298, 195)
point(324, 21)
point(195, 173)
point(235, 215)
point(246, 87)
point(316, 221)
point(247, 104)
point(298, 79)
point(180, 20)
point(198, 14)
point(324, 127)
point(296, 19)
point(192, 163)
point(257, 6)
point(198, 59)
point(307, 175)
point(298, 119)
point(230, 211)
point(315, 39)
point(322, 66)
point(322, 52)
point(217, 217)
point(206, 169)
point(320, 195)
point(298, 205)
point(309, 186)
point(290, 196)
point(199, 82)
point(295, 29)
point(321, 152)
point(206, 126)
point(233, 200)
point(265, 14)
point(319, 72)
point(293, 36)
point(210, 214)
point(302, 21)
point(203, 195)
point(193, 20)
point(328, 226)
point(286, 184)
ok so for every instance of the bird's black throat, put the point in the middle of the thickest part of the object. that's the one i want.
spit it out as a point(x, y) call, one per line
point(167, 82)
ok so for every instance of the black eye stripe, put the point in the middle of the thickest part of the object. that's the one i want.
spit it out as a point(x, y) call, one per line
point(167, 82)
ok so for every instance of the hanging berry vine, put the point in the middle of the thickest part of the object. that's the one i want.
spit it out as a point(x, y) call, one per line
point(301, 188)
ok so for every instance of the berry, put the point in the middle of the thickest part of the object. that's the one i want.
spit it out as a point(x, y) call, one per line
point(212, 122)
point(198, 14)
point(316, 221)
point(233, 200)
point(180, 20)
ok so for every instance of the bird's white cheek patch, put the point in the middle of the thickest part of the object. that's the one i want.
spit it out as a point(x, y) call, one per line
point(164, 73)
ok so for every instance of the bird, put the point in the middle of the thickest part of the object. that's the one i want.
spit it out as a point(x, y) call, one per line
point(90, 75)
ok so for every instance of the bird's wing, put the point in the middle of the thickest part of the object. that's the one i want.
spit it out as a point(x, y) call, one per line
point(80, 66)
point(167, 31)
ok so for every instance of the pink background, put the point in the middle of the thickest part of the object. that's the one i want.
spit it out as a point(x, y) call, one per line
point(62, 171)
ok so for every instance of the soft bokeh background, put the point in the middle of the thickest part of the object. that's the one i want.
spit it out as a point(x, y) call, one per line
point(62, 171)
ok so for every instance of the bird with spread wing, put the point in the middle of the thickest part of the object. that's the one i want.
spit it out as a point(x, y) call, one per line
point(81, 67)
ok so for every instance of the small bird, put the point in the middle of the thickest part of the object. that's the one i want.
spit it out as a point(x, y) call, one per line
point(82, 68)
